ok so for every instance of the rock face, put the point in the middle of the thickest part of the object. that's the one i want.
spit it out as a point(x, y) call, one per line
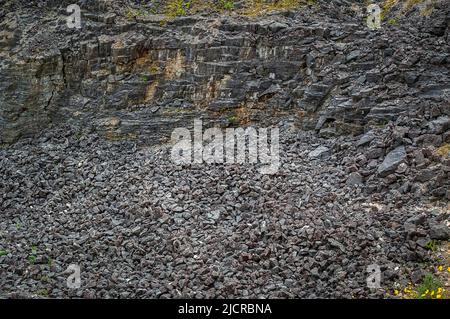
point(136, 77)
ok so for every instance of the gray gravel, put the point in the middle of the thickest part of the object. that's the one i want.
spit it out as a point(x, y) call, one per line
point(141, 227)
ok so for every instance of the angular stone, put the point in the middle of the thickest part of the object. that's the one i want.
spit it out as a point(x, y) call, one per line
point(429, 139)
point(440, 125)
point(366, 139)
point(439, 232)
point(353, 55)
point(374, 153)
point(354, 179)
point(401, 169)
point(426, 175)
point(328, 132)
point(319, 152)
point(392, 160)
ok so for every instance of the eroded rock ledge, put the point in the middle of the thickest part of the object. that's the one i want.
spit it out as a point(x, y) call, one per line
point(136, 78)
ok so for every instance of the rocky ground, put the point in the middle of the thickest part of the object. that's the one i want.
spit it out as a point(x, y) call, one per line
point(140, 226)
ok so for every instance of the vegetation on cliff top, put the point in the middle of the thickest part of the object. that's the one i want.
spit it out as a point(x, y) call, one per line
point(175, 8)
point(391, 9)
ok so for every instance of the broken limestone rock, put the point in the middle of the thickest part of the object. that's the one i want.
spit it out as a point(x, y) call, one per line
point(319, 152)
point(439, 232)
point(392, 160)
point(366, 139)
point(354, 179)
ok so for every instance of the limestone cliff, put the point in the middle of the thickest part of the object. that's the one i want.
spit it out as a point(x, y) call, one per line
point(140, 75)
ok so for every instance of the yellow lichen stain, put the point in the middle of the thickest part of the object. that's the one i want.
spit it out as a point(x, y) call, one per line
point(239, 115)
point(243, 115)
point(261, 7)
point(443, 151)
point(174, 67)
point(145, 63)
point(117, 136)
point(150, 92)
point(112, 122)
point(301, 114)
point(426, 8)
point(143, 60)
point(117, 45)
point(214, 88)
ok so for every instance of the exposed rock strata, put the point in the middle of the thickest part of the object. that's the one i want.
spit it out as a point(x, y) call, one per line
point(134, 78)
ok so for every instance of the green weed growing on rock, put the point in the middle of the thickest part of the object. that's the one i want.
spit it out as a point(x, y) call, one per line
point(226, 5)
point(175, 8)
point(431, 245)
point(431, 287)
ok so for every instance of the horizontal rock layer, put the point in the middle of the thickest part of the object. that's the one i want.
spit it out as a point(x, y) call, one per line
point(141, 77)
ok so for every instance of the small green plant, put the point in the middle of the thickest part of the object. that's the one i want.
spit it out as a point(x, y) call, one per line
point(431, 287)
point(232, 119)
point(226, 5)
point(42, 292)
point(3, 253)
point(154, 70)
point(155, 7)
point(392, 21)
point(175, 8)
point(130, 14)
point(32, 257)
point(44, 279)
point(431, 245)
point(78, 135)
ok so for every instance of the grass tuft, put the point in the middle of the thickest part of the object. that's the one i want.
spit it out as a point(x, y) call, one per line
point(430, 288)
